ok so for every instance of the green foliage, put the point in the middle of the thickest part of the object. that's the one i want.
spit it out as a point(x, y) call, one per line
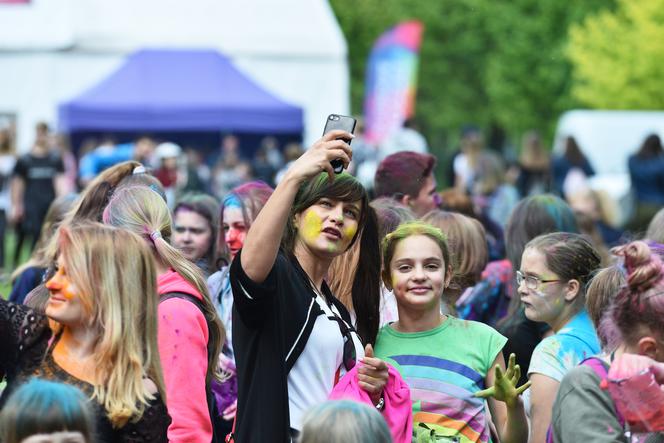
point(617, 57)
point(528, 76)
point(492, 63)
point(450, 91)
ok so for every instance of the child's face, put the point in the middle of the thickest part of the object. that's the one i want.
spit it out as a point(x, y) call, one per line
point(546, 302)
point(418, 274)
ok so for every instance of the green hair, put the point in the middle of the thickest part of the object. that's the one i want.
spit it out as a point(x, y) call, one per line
point(408, 229)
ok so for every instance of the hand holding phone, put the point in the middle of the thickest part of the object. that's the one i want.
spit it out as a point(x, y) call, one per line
point(335, 121)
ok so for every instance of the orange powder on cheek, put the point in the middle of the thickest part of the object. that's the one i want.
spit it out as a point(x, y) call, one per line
point(67, 293)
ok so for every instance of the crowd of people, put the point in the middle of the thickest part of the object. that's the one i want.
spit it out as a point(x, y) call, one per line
point(305, 306)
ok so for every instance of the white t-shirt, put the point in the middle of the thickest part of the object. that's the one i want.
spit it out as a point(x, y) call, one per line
point(311, 379)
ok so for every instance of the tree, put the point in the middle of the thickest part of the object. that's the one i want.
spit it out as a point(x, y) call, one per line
point(494, 63)
point(452, 57)
point(528, 77)
point(617, 57)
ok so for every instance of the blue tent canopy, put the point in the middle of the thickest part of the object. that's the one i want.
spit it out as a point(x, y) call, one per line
point(179, 90)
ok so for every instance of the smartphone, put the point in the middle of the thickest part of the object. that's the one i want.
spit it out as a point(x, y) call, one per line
point(336, 121)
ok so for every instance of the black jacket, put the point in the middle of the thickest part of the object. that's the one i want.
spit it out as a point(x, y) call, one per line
point(272, 322)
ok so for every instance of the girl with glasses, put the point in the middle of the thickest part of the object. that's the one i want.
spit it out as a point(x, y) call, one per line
point(555, 269)
point(290, 333)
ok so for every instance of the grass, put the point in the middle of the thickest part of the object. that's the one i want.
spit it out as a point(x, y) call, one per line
point(10, 242)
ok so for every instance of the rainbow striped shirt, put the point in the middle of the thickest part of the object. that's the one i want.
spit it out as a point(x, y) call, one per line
point(444, 367)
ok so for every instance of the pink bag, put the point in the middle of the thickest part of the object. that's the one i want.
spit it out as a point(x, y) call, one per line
point(637, 395)
point(398, 411)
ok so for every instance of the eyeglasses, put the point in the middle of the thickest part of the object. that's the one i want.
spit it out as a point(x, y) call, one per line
point(349, 355)
point(532, 282)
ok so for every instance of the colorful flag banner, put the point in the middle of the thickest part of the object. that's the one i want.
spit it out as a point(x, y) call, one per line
point(391, 80)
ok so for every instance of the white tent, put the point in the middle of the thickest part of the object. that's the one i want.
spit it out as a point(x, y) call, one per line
point(608, 138)
point(52, 50)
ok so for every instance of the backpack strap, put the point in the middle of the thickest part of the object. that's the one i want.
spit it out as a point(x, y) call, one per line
point(601, 368)
point(212, 404)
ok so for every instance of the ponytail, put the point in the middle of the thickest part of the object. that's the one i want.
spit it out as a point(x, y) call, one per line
point(142, 211)
point(366, 284)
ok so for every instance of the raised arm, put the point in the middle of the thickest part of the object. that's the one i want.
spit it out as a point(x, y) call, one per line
point(262, 243)
point(505, 401)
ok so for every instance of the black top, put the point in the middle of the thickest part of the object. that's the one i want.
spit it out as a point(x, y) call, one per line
point(523, 336)
point(38, 174)
point(272, 323)
point(25, 353)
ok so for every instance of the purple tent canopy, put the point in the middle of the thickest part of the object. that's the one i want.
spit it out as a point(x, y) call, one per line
point(179, 90)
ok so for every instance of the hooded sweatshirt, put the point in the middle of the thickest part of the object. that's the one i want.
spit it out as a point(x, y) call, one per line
point(182, 339)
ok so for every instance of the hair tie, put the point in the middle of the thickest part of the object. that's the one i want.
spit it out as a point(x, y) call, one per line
point(155, 235)
point(139, 170)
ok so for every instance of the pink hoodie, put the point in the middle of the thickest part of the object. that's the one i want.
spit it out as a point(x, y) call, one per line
point(398, 411)
point(182, 339)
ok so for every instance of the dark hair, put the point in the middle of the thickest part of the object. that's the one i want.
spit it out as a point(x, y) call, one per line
point(41, 407)
point(390, 214)
point(455, 200)
point(573, 152)
point(403, 173)
point(651, 147)
point(570, 256)
point(207, 207)
point(533, 216)
point(641, 301)
point(96, 195)
point(366, 284)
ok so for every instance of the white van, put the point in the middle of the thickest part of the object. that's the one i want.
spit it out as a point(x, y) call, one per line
point(608, 138)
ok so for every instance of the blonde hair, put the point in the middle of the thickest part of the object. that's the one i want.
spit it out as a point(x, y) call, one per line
point(92, 200)
point(88, 207)
point(341, 275)
point(142, 211)
point(110, 266)
point(468, 249)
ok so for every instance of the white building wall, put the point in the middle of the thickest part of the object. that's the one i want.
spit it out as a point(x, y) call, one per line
point(53, 50)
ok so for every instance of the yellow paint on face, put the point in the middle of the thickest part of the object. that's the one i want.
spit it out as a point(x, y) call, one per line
point(349, 232)
point(312, 225)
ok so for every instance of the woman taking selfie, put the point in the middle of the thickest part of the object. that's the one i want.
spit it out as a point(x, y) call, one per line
point(292, 337)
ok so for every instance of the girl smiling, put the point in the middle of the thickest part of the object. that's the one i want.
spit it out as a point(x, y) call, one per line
point(447, 362)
